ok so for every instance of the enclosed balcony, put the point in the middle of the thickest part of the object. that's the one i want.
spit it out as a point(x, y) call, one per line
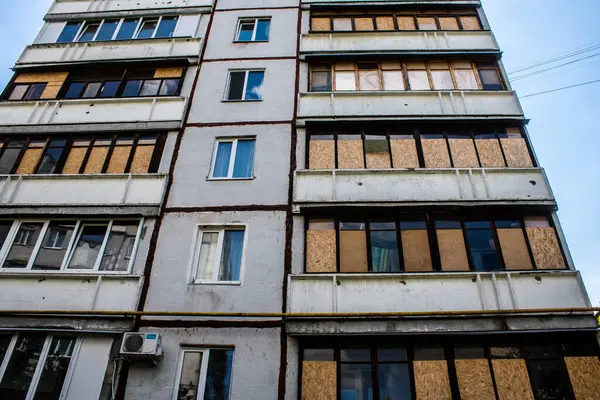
point(93, 6)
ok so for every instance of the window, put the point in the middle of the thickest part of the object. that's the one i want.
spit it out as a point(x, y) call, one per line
point(204, 374)
point(36, 365)
point(89, 32)
point(245, 85)
point(321, 78)
point(234, 159)
point(490, 77)
point(60, 245)
point(30, 91)
point(219, 255)
point(69, 32)
point(253, 30)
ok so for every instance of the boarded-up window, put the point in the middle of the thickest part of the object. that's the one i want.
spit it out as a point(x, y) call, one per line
point(353, 247)
point(321, 152)
point(426, 23)
point(393, 77)
point(515, 149)
point(415, 246)
point(473, 374)
point(76, 156)
point(464, 75)
point(510, 374)
point(350, 152)
point(364, 24)
point(319, 375)
point(97, 157)
point(321, 24)
point(431, 374)
point(345, 78)
point(321, 246)
point(385, 23)
point(544, 243)
point(451, 242)
point(404, 151)
point(435, 151)
point(377, 152)
point(470, 23)
point(417, 76)
point(368, 76)
point(440, 75)
point(463, 152)
point(448, 23)
point(143, 155)
point(31, 157)
point(583, 365)
point(120, 156)
point(488, 148)
point(406, 23)
point(342, 24)
point(513, 245)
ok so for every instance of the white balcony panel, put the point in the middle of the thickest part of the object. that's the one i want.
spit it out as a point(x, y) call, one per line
point(52, 291)
point(150, 49)
point(436, 292)
point(427, 185)
point(409, 104)
point(90, 111)
point(365, 42)
point(83, 6)
point(82, 190)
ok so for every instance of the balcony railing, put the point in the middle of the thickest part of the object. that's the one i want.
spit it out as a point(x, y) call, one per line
point(90, 6)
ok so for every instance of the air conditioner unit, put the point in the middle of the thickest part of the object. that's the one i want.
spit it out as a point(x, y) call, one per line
point(142, 346)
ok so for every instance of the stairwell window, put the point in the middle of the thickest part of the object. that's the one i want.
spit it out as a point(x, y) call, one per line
point(245, 85)
point(219, 254)
point(253, 30)
point(204, 374)
point(233, 159)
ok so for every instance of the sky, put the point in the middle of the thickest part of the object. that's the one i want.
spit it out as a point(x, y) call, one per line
point(562, 126)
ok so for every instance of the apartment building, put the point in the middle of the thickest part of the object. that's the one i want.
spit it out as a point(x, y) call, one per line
point(316, 200)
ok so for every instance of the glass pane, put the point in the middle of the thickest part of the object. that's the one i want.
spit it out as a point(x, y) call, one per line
point(18, 92)
point(321, 81)
point(490, 79)
point(88, 246)
point(231, 257)
point(394, 382)
point(483, 250)
point(54, 246)
point(344, 80)
point(35, 91)
point(246, 31)
point(221, 168)
point(384, 355)
point(418, 80)
point(23, 244)
point(254, 85)
point(244, 159)
point(150, 87)
point(190, 376)
point(166, 28)
point(4, 343)
point(208, 250)
point(92, 89)
point(426, 24)
point(108, 29)
point(55, 368)
point(110, 89)
point(132, 88)
point(4, 229)
point(69, 32)
point(369, 80)
point(393, 80)
point(465, 79)
point(88, 32)
point(21, 366)
point(147, 29)
point(384, 252)
point(356, 382)
point(550, 380)
point(169, 87)
point(355, 355)
point(10, 155)
point(342, 24)
point(314, 354)
point(119, 248)
point(262, 30)
point(51, 157)
point(218, 376)
point(236, 85)
point(75, 90)
point(442, 80)
point(127, 29)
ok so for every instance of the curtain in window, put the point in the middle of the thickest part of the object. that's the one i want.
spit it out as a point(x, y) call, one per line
point(231, 258)
point(244, 159)
point(218, 375)
point(221, 168)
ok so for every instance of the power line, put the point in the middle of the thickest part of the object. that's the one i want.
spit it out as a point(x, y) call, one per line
point(535, 78)
point(561, 56)
point(554, 67)
point(562, 88)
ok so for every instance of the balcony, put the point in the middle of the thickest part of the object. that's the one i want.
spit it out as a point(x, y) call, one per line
point(422, 185)
point(378, 42)
point(409, 104)
point(131, 50)
point(91, 6)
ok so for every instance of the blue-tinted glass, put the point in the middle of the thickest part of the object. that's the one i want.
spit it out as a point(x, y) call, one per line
point(166, 28)
point(35, 91)
point(394, 382)
point(69, 32)
point(231, 258)
point(74, 91)
point(246, 30)
point(244, 159)
point(508, 224)
point(477, 224)
point(254, 85)
point(411, 225)
point(127, 29)
point(132, 88)
point(222, 161)
point(169, 87)
point(262, 29)
point(384, 251)
point(483, 250)
point(148, 27)
point(218, 377)
point(107, 30)
point(356, 382)
point(110, 89)
point(89, 31)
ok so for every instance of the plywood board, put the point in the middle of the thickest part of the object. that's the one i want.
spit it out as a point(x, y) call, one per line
point(489, 153)
point(474, 379)
point(516, 153)
point(470, 23)
point(584, 373)
point(321, 154)
point(431, 380)
point(448, 23)
point(512, 379)
point(118, 160)
point(55, 77)
point(545, 248)
point(350, 154)
point(175, 72)
point(29, 161)
point(321, 24)
point(319, 380)
point(74, 160)
point(514, 249)
point(51, 91)
point(141, 160)
point(385, 23)
point(96, 160)
point(417, 255)
point(364, 24)
point(406, 23)
point(435, 152)
point(353, 251)
point(378, 160)
point(463, 153)
point(404, 153)
point(453, 252)
point(320, 251)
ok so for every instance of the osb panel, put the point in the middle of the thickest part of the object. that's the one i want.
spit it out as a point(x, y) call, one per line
point(545, 248)
point(463, 153)
point(474, 380)
point(448, 23)
point(54, 77)
point(378, 160)
point(512, 380)
point(321, 154)
point(514, 249)
point(406, 23)
point(175, 72)
point(74, 160)
point(353, 251)
point(470, 23)
point(51, 91)
point(96, 161)
point(118, 160)
point(321, 24)
point(320, 251)
point(585, 376)
point(453, 252)
point(431, 380)
point(489, 152)
point(435, 152)
point(364, 24)
point(29, 161)
point(141, 160)
point(319, 380)
point(516, 153)
point(404, 153)
point(350, 154)
point(415, 246)
point(385, 23)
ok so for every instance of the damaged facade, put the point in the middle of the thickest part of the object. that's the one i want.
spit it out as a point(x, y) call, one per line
point(314, 200)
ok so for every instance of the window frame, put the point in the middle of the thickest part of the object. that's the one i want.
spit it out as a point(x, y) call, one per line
point(29, 86)
point(232, 158)
point(247, 74)
point(255, 20)
point(136, 32)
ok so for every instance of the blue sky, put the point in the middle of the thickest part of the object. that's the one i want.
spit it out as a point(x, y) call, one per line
point(562, 124)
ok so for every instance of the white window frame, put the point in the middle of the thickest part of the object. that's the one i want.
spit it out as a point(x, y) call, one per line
point(40, 364)
point(247, 72)
point(136, 32)
point(246, 21)
point(197, 247)
point(70, 249)
point(203, 370)
point(232, 157)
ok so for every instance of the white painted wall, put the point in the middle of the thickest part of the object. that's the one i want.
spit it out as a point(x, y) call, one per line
point(83, 6)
